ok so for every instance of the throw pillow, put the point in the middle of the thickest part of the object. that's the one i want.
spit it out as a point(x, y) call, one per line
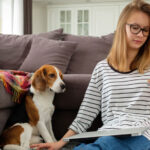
point(90, 50)
point(44, 51)
point(14, 48)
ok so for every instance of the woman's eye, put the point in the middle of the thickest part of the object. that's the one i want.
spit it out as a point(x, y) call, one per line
point(146, 30)
point(135, 27)
point(52, 75)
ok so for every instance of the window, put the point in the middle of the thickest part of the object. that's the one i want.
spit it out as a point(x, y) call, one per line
point(11, 22)
point(65, 20)
point(0, 17)
point(81, 25)
point(83, 22)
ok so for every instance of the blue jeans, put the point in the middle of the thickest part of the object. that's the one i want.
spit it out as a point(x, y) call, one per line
point(116, 143)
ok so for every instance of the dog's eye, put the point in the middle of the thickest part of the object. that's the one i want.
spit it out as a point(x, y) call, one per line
point(52, 75)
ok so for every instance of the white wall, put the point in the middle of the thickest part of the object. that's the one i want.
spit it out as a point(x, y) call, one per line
point(39, 17)
point(104, 19)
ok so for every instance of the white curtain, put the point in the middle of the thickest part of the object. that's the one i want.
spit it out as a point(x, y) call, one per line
point(11, 17)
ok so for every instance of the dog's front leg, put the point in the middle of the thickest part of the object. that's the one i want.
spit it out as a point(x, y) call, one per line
point(44, 132)
point(49, 126)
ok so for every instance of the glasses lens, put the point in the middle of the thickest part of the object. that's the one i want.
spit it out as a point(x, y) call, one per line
point(146, 31)
point(135, 29)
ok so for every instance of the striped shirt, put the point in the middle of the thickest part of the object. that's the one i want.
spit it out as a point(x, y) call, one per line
point(122, 98)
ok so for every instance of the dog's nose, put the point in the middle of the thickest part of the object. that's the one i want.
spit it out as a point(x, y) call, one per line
point(62, 86)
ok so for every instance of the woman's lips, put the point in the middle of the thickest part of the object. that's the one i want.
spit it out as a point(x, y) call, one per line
point(137, 41)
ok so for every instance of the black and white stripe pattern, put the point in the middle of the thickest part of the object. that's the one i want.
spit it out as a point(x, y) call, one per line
point(122, 98)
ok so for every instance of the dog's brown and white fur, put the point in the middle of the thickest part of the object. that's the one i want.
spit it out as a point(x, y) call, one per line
point(45, 82)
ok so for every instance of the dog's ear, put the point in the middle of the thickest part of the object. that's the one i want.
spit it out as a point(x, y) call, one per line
point(44, 72)
point(39, 80)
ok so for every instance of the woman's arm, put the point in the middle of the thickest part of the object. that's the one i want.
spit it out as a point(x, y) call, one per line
point(68, 134)
point(91, 104)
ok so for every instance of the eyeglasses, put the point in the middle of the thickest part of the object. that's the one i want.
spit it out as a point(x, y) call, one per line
point(136, 29)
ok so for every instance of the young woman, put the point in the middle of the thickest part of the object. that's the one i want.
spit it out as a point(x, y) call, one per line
point(118, 86)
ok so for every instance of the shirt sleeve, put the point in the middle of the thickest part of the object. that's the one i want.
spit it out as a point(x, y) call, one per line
point(91, 104)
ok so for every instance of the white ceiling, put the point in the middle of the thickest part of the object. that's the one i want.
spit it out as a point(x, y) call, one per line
point(76, 1)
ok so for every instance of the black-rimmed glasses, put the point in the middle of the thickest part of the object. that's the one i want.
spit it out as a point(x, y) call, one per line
point(136, 29)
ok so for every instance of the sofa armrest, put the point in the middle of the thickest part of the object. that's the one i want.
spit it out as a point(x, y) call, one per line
point(5, 98)
point(4, 115)
point(6, 105)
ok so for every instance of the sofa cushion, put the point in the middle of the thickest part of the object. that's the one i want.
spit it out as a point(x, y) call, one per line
point(76, 85)
point(89, 51)
point(55, 34)
point(14, 48)
point(44, 51)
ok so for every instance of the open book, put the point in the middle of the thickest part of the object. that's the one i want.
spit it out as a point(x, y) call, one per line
point(115, 131)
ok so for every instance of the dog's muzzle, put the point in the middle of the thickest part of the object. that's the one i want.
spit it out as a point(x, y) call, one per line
point(59, 89)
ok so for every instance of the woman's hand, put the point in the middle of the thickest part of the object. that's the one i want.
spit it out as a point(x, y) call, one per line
point(49, 146)
point(55, 145)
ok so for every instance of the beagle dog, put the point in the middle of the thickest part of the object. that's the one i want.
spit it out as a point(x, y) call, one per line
point(45, 82)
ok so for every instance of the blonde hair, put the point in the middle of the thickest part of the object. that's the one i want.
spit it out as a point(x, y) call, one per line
point(118, 52)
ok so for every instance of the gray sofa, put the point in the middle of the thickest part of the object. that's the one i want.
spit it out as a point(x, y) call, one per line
point(76, 57)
